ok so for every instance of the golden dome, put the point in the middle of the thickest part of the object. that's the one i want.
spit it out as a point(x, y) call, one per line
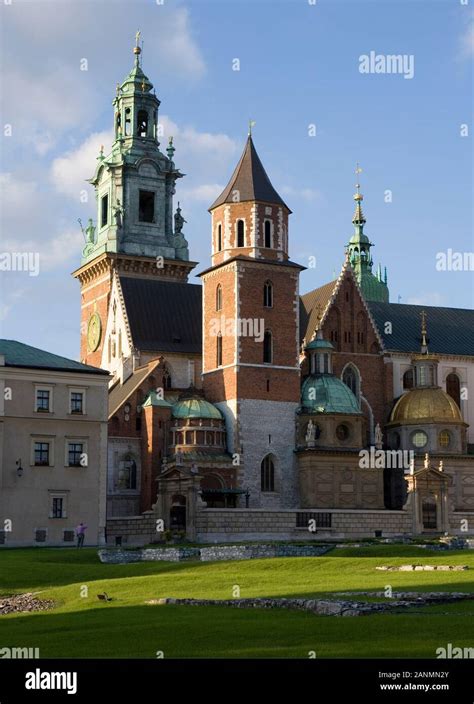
point(428, 404)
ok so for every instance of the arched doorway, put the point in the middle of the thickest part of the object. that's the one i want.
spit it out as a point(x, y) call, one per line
point(178, 512)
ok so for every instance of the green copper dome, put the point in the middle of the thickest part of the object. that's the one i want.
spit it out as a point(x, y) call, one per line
point(326, 393)
point(319, 344)
point(196, 408)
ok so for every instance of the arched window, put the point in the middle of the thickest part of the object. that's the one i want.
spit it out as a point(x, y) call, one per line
point(350, 377)
point(219, 297)
point(408, 379)
point(166, 379)
point(240, 233)
point(142, 123)
point(268, 233)
point(268, 294)
point(219, 351)
point(267, 347)
point(453, 387)
point(267, 474)
point(128, 122)
point(219, 238)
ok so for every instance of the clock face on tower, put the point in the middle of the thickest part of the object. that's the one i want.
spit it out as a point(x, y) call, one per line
point(94, 331)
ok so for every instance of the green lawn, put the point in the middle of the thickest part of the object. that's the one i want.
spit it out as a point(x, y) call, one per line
point(82, 626)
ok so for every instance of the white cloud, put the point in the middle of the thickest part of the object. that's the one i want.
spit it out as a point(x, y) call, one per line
point(179, 47)
point(190, 142)
point(206, 193)
point(69, 172)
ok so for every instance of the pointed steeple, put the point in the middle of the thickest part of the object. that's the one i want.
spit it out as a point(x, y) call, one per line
point(359, 252)
point(249, 182)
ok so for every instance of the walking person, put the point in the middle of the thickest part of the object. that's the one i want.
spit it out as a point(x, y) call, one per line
point(80, 533)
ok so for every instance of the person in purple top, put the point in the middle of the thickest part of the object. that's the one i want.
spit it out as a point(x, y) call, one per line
point(80, 533)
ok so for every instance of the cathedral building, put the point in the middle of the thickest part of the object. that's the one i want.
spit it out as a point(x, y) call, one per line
point(243, 408)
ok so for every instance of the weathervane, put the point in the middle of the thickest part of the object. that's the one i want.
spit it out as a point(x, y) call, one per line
point(252, 123)
point(358, 171)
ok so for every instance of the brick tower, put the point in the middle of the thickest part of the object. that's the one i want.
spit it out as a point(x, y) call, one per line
point(134, 235)
point(251, 331)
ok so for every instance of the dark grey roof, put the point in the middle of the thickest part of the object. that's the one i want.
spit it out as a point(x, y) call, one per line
point(309, 303)
point(450, 330)
point(164, 316)
point(17, 354)
point(250, 180)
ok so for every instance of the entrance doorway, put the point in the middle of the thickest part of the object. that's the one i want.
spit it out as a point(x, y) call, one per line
point(429, 515)
point(178, 512)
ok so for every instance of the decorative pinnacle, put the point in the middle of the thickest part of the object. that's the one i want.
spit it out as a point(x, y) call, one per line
point(136, 49)
point(424, 340)
point(358, 218)
point(101, 156)
point(170, 149)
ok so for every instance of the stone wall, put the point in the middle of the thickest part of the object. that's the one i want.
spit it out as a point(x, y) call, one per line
point(132, 530)
point(227, 525)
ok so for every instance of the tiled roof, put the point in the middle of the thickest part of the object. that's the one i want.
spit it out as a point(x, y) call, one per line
point(450, 330)
point(121, 392)
point(250, 180)
point(164, 316)
point(17, 354)
point(309, 308)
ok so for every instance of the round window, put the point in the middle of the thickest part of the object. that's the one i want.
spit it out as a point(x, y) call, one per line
point(419, 439)
point(444, 438)
point(342, 432)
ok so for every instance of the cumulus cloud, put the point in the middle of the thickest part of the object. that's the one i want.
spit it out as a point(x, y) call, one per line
point(307, 194)
point(205, 193)
point(70, 171)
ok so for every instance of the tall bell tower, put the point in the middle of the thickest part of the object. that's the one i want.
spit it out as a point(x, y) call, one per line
point(251, 331)
point(135, 233)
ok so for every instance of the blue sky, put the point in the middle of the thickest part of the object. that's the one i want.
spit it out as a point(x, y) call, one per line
point(299, 65)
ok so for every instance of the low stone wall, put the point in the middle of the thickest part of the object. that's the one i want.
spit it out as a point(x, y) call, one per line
point(211, 554)
point(132, 530)
point(227, 525)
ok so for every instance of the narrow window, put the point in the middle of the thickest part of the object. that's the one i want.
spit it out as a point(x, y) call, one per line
point(268, 385)
point(267, 347)
point(166, 380)
point(408, 379)
point(128, 122)
point(453, 387)
point(240, 233)
point(267, 474)
point(104, 212)
point(219, 297)
point(75, 451)
point(351, 379)
point(57, 508)
point(268, 233)
point(268, 294)
point(219, 351)
point(142, 123)
point(146, 207)
point(219, 238)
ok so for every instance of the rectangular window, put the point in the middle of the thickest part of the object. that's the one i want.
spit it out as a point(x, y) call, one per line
point(219, 351)
point(146, 207)
point(43, 400)
point(57, 510)
point(104, 210)
point(68, 536)
point(41, 454)
point(77, 402)
point(75, 451)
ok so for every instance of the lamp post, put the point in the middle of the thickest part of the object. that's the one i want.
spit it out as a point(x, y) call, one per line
point(19, 468)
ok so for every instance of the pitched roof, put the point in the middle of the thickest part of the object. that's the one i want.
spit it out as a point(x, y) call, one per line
point(164, 316)
point(250, 180)
point(121, 392)
point(17, 354)
point(450, 330)
point(309, 303)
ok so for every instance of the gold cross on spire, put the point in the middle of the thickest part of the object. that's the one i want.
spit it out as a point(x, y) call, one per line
point(252, 123)
point(137, 38)
point(358, 171)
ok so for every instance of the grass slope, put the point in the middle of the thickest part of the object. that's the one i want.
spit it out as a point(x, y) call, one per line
point(81, 626)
